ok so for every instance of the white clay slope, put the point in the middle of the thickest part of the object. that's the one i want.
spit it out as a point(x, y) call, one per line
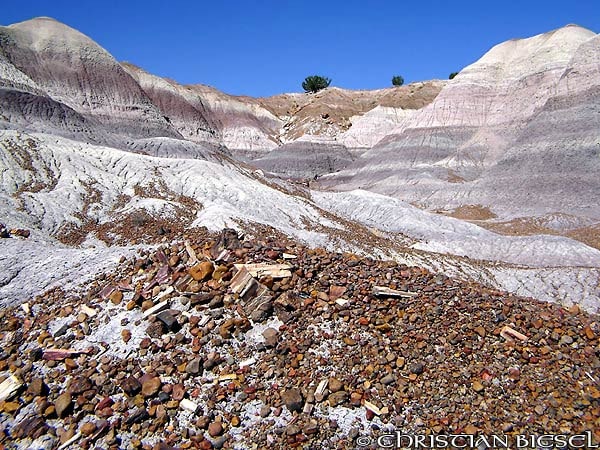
point(61, 169)
point(368, 129)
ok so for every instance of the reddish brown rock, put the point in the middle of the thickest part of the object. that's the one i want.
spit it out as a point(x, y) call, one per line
point(63, 404)
point(151, 387)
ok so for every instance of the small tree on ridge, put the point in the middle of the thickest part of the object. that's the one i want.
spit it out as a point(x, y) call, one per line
point(397, 80)
point(315, 83)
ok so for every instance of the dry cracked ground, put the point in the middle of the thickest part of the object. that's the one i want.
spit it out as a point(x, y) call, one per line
point(222, 341)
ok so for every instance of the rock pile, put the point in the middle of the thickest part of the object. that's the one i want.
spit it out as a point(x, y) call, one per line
point(219, 342)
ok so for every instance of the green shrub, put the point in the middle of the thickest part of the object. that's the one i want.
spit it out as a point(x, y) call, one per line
point(452, 75)
point(397, 80)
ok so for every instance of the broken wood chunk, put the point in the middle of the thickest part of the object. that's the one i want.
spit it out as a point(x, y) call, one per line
point(224, 256)
point(260, 306)
point(160, 255)
point(20, 232)
point(9, 387)
point(125, 285)
point(188, 405)
point(246, 286)
point(509, 334)
point(382, 291)
point(308, 408)
point(191, 253)
point(162, 276)
point(240, 281)
point(285, 306)
point(88, 311)
point(228, 377)
point(67, 443)
point(371, 407)
point(157, 308)
point(59, 354)
point(247, 362)
point(260, 270)
point(167, 291)
point(105, 293)
point(322, 386)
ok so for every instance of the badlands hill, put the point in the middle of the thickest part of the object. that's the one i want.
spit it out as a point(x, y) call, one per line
point(97, 155)
point(76, 88)
point(515, 135)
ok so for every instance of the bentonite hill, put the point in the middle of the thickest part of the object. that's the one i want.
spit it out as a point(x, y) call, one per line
point(183, 268)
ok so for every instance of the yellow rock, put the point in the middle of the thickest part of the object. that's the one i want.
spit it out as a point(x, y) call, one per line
point(470, 429)
point(116, 297)
point(202, 271)
point(9, 407)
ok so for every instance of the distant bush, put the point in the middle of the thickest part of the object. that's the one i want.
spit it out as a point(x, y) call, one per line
point(315, 83)
point(452, 75)
point(397, 80)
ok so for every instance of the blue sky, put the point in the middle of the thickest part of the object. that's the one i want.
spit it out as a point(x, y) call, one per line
point(264, 48)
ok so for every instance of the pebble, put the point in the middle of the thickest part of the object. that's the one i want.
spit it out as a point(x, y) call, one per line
point(293, 400)
point(388, 379)
point(265, 411)
point(78, 385)
point(202, 271)
point(168, 319)
point(131, 386)
point(471, 429)
point(151, 386)
point(116, 297)
point(417, 368)
point(566, 340)
point(215, 429)
point(193, 367)
point(37, 387)
point(480, 331)
point(62, 404)
point(9, 407)
point(292, 430)
point(203, 422)
point(335, 385)
point(337, 398)
point(271, 336)
point(126, 335)
point(88, 428)
point(477, 386)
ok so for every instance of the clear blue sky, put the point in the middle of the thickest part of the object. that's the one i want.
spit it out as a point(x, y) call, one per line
point(267, 47)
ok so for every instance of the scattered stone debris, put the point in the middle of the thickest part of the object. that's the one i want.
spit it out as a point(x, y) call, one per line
point(222, 342)
point(19, 232)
